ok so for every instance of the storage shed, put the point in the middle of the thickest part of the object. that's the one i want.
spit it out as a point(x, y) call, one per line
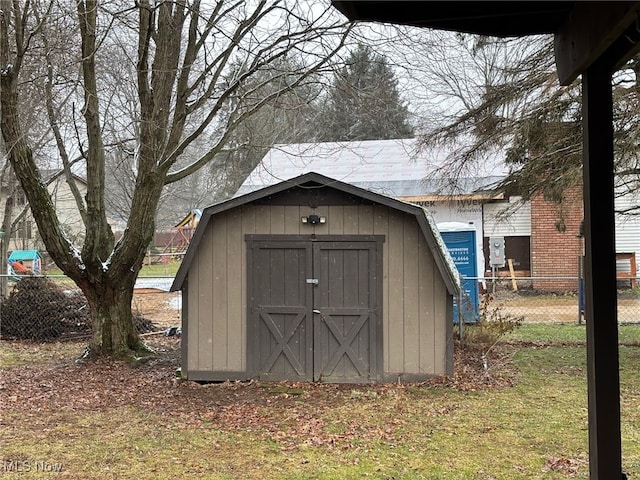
point(313, 279)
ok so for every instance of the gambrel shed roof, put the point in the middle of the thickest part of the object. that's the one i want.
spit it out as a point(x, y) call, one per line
point(442, 258)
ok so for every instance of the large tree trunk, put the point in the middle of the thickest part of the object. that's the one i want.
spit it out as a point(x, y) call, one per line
point(107, 286)
point(112, 320)
point(104, 272)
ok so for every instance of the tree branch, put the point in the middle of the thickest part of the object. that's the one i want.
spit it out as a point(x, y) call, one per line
point(99, 237)
point(249, 109)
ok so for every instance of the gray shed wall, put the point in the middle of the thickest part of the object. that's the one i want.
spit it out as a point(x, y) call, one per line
point(416, 306)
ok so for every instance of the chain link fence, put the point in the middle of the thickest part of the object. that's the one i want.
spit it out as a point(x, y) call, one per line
point(550, 299)
point(52, 308)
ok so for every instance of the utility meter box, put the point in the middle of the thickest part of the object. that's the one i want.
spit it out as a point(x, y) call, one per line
point(496, 252)
point(460, 240)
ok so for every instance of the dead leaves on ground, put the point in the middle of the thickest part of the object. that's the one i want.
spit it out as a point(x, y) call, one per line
point(570, 467)
point(292, 415)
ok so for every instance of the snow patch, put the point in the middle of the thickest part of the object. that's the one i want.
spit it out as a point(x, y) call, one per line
point(163, 284)
point(443, 248)
point(106, 264)
point(76, 254)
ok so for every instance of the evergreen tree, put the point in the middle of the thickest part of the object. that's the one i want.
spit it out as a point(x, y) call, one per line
point(521, 110)
point(363, 102)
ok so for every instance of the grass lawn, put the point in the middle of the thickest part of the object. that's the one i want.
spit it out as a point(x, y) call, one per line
point(168, 269)
point(569, 333)
point(526, 418)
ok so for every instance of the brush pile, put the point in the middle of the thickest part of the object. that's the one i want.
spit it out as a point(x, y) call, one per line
point(39, 310)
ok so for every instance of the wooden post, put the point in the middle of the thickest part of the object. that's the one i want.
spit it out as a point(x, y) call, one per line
point(514, 284)
point(580, 288)
point(605, 451)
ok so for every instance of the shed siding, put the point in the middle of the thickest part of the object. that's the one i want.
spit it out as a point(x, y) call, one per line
point(292, 219)
point(277, 219)
point(322, 211)
point(426, 297)
point(411, 298)
point(217, 330)
point(381, 227)
point(193, 319)
point(414, 298)
point(365, 225)
point(219, 291)
point(204, 327)
point(351, 220)
point(414, 315)
point(336, 220)
point(236, 306)
point(263, 219)
point(441, 327)
point(393, 319)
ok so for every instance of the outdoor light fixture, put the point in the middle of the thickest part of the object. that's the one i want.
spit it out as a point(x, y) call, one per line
point(313, 219)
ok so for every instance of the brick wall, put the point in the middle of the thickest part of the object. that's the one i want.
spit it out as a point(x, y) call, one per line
point(555, 245)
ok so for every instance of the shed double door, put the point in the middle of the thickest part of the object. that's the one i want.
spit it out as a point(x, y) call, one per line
point(313, 313)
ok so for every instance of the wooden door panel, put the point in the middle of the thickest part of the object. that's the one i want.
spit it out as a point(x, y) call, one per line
point(280, 326)
point(300, 330)
point(283, 341)
point(345, 336)
point(342, 345)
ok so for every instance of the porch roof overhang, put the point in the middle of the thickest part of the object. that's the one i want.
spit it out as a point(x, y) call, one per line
point(591, 39)
point(584, 31)
point(486, 18)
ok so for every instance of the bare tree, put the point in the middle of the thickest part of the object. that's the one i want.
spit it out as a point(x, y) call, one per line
point(286, 118)
point(180, 67)
point(8, 185)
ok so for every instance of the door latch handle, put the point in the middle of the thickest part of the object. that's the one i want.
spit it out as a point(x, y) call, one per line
point(316, 311)
point(313, 281)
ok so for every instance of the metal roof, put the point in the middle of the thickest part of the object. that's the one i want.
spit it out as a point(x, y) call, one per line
point(396, 168)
